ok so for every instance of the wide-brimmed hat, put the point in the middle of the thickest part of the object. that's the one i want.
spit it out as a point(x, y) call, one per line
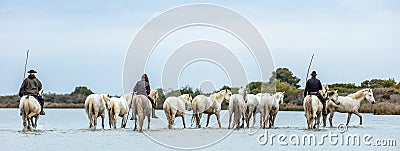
point(314, 73)
point(32, 71)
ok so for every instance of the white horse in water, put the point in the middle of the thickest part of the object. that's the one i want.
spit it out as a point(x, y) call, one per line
point(141, 107)
point(237, 106)
point(175, 106)
point(130, 96)
point(350, 104)
point(263, 108)
point(313, 109)
point(273, 106)
point(30, 108)
point(118, 107)
point(209, 105)
point(252, 109)
point(95, 106)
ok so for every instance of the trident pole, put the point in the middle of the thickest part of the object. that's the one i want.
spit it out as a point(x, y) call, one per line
point(308, 71)
point(26, 62)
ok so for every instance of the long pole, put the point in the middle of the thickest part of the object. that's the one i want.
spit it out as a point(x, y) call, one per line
point(308, 71)
point(26, 62)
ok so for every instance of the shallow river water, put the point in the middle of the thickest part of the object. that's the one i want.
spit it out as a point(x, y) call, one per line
point(67, 129)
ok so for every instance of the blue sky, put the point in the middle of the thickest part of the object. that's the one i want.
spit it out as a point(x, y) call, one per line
point(84, 42)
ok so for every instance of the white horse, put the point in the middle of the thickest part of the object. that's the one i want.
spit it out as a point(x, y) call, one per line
point(141, 107)
point(175, 107)
point(263, 108)
point(130, 96)
point(118, 107)
point(273, 106)
point(209, 105)
point(95, 106)
point(350, 104)
point(30, 108)
point(252, 109)
point(237, 106)
point(313, 109)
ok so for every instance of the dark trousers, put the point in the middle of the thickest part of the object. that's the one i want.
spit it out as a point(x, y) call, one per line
point(321, 98)
point(153, 103)
point(40, 99)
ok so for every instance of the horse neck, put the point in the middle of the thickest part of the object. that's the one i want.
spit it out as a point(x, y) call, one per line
point(276, 101)
point(360, 95)
point(218, 98)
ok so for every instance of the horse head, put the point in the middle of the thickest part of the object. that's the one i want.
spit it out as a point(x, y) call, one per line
point(106, 99)
point(154, 94)
point(188, 101)
point(334, 96)
point(243, 92)
point(325, 89)
point(279, 96)
point(369, 95)
point(226, 94)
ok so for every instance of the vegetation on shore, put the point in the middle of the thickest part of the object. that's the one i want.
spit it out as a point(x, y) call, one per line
point(387, 94)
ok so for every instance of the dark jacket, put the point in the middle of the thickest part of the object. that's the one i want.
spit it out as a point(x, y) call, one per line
point(30, 86)
point(313, 85)
point(142, 87)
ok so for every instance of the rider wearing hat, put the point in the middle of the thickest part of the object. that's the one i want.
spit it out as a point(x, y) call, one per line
point(31, 87)
point(313, 87)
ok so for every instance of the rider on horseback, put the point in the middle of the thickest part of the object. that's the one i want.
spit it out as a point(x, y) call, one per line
point(313, 87)
point(31, 87)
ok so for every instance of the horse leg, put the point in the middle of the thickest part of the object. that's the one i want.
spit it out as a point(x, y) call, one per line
point(173, 119)
point(183, 120)
point(135, 128)
point(331, 118)
point(148, 121)
point(324, 120)
point(208, 119)
point(95, 121)
point(219, 122)
point(36, 120)
point(102, 120)
point(230, 119)
point(348, 118)
point(24, 122)
point(318, 120)
point(254, 118)
point(261, 120)
point(197, 120)
point(122, 121)
point(360, 116)
point(273, 120)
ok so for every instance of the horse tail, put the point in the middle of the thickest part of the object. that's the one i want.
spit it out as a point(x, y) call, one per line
point(236, 110)
point(111, 114)
point(139, 109)
point(90, 107)
point(168, 112)
point(309, 108)
point(25, 107)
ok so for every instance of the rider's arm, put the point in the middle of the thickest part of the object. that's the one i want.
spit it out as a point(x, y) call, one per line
point(306, 89)
point(22, 89)
point(135, 88)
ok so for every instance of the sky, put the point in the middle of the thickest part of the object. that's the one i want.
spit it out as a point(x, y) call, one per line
point(83, 43)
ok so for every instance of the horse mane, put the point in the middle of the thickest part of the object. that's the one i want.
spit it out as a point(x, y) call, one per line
point(358, 95)
point(218, 95)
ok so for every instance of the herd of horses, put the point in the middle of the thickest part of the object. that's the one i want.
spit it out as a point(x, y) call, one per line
point(242, 106)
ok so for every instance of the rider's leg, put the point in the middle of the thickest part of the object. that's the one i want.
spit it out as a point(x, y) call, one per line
point(323, 101)
point(41, 102)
